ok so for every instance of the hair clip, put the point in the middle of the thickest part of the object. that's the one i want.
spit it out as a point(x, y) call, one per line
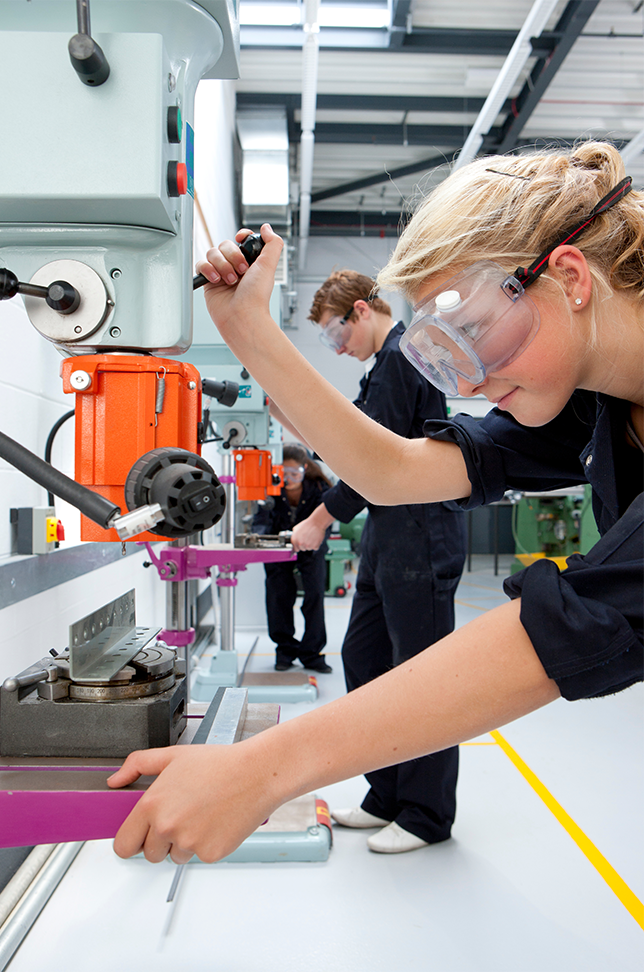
point(512, 175)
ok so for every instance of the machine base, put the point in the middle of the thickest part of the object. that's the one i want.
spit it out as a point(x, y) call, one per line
point(222, 674)
point(280, 687)
point(262, 687)
point(298, 831)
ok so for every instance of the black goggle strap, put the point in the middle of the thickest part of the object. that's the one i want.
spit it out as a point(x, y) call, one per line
point(528, 275)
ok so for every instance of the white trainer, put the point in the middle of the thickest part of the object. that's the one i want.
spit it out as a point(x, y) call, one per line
point(357, 817)
point(394, 840)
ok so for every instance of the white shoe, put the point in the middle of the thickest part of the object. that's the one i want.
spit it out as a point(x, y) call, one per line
point(357, 817)
point(394, 840)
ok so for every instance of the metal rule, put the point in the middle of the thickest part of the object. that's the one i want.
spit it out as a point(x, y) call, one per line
point(223, 723)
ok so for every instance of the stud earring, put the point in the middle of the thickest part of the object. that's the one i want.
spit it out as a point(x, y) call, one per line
point(578, 300)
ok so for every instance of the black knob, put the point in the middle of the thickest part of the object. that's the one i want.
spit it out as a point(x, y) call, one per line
point(8, 284)
point(88, 60)
point(252, 247)
point(62, 297)
point(224, 392)
point(183, 483)
point(175, 124)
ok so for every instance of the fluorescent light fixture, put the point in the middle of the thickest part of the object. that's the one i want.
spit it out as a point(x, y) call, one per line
point(337, 15)
point(371, 17)
point(265, 179)
point(269, 14)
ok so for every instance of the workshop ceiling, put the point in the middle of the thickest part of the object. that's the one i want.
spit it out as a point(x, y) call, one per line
point(395, 103)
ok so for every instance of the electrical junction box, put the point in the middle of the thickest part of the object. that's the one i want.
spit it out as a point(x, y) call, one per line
point(36, 529)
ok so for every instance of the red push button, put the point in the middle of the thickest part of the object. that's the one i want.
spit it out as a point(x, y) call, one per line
point(177, 179)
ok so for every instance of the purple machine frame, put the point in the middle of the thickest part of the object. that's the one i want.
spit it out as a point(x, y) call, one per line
point(188, 563)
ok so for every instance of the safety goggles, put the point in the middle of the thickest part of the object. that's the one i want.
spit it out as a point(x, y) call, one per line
point(336, 332)
point(294, 474)
point(477, 322)
point(481, 319)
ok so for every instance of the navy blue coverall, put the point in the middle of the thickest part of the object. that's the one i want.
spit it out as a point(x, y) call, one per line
point(411, 561)
point(585, 622)
point(281, 588)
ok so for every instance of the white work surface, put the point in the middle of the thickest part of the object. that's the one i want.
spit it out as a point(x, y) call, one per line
point(510, 891)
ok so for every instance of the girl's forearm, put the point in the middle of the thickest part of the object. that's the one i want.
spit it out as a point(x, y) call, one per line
point(482, 676)
point(383, 467)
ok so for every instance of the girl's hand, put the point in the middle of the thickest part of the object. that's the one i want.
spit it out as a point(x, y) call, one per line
point(206, 800)
point(238, 296)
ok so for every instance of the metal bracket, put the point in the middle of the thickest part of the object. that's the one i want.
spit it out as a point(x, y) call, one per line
point(106, 640)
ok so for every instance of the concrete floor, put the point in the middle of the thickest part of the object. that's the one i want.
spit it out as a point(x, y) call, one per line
point(510, 891)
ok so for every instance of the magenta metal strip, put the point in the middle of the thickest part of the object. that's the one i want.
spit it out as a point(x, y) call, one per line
point(32, 817)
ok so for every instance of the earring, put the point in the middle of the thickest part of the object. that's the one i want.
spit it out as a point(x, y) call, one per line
point(578, 300)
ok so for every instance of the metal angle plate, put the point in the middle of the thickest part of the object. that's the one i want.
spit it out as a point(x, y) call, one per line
point(106, 640)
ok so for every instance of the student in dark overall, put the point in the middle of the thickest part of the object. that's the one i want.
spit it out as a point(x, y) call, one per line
point(411, 561)
point(304, 486)
point(527, 273)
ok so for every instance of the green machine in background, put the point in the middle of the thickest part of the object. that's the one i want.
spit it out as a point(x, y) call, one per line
point(343, 547)
point(553, 525)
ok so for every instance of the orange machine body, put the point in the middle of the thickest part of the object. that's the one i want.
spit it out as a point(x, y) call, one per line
point(117, 420)
point(254, 474)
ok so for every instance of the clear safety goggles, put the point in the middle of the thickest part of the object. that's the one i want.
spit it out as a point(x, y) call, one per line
point(294, 474)
point(477, 322)
point(481, 320)
point(336, 332)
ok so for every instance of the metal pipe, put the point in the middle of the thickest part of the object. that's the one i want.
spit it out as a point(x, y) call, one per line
point(45, 880)
point(227, 615)
point(310, 51)
point(82, 13)
point(227, 593)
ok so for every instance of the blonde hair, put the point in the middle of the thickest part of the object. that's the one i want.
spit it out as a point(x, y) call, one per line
point(511, 208)
point(341, 290)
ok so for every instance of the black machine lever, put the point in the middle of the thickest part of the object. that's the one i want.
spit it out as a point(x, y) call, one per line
point(59, 295)
point(88, 60)
point(224, 392)
point(251, 247)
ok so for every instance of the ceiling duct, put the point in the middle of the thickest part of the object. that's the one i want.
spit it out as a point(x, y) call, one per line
point(309, 98)
point(263, 137)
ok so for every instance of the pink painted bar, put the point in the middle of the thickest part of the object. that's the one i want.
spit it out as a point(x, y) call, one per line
point(187, 563)
point(51, 806)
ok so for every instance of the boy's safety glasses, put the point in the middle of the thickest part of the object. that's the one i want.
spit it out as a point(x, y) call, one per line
point(336, 332)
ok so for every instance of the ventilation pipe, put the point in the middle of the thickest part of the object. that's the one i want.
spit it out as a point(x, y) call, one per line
point(309, 98)
point(514, 63)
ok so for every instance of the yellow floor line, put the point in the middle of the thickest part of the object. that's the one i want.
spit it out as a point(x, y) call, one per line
point(632, 903)
point(475, 607)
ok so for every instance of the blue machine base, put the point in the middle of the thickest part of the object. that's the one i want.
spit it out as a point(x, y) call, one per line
point(223, 673)
point(313, 844)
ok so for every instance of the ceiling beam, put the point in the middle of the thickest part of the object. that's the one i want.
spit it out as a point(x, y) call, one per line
point(439, 136)
point(439, 40)
point(400, 22)
point(379, 177)
point(350, 223)
point(570, 25)
point(363, 102)
point(423, 165)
